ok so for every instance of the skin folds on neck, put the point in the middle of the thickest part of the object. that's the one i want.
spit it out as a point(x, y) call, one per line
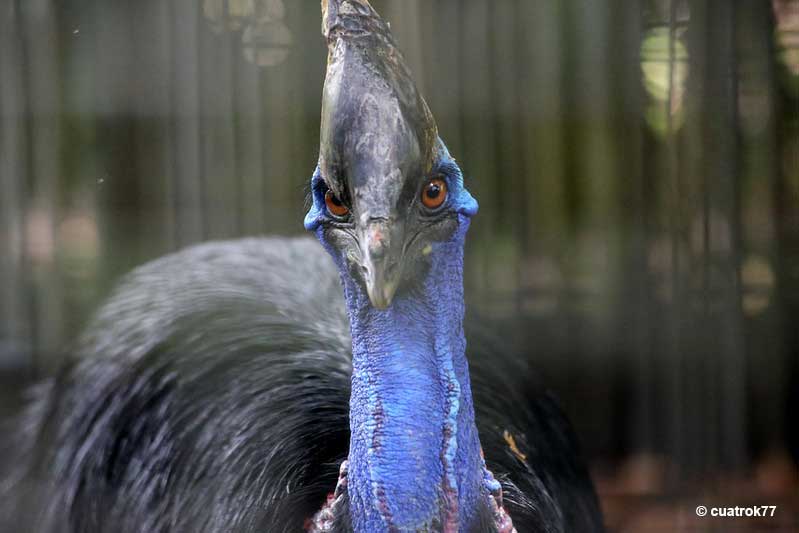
point(414, 461)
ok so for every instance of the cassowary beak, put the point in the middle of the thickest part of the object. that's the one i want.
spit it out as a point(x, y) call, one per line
point(381, 266)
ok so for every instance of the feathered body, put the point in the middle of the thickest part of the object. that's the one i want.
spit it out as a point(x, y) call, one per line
point(211, 394)
point(233, 386)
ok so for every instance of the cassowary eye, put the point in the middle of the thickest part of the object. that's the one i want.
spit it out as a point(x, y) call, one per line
point(335, 205)
point(434, 193)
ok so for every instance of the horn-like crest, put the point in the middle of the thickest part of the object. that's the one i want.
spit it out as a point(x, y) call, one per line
point(364, 63)
point(348, 17)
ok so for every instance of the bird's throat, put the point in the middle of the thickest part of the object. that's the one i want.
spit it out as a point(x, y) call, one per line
point(414, 460)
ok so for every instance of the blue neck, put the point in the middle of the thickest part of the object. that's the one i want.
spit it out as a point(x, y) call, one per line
point(414, 459)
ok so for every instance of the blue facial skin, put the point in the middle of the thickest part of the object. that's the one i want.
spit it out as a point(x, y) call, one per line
point(414, 460)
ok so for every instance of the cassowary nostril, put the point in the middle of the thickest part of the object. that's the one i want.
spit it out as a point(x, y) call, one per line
point(377, 246)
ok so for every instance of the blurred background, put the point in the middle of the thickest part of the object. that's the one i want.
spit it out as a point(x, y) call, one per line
point(636, 163)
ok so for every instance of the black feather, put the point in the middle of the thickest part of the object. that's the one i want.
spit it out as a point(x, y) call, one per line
point(211, 394)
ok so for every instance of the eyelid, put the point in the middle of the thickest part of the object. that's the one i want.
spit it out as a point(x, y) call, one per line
point(325, 186)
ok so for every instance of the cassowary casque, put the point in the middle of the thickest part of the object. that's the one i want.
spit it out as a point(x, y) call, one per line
point(232, 388)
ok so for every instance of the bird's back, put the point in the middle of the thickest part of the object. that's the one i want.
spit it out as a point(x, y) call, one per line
point(211, 394)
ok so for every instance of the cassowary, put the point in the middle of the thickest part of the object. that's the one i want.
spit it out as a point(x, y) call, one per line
point(230, 388)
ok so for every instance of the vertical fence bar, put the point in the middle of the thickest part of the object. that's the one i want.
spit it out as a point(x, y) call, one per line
point(185, 102)
point(42, 84)
point(508, 177)
point(786, 215)
point(14, 309)
point(677, 231)
point(152, 116)
point(250, 148)
point(477, 129)
point(724, 190)
point(634, 429)
point(217, 59)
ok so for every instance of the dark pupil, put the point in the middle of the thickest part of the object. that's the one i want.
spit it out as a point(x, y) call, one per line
point(433, 191)
point(335, 200)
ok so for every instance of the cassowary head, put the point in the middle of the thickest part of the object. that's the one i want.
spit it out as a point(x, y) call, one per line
point(386, 189)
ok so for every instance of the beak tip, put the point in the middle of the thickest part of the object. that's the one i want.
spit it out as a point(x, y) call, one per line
point(380, 306)
point(380, 297)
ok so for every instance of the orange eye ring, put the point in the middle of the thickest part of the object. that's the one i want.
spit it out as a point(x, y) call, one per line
point(434, 193)
point(335, 205)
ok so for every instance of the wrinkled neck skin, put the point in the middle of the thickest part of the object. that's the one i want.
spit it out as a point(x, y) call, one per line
point(415, 462)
